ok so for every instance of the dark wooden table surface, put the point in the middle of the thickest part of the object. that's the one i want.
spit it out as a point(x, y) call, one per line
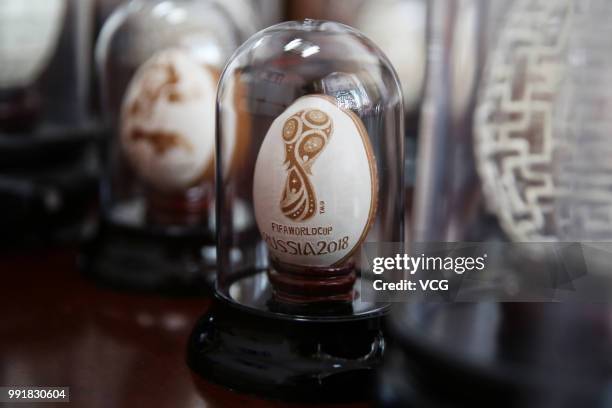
point(113, 349)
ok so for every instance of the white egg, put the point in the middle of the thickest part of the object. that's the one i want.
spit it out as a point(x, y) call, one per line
point(398, 27)
point(30, 31)
point(168, 121)
point(315, 188)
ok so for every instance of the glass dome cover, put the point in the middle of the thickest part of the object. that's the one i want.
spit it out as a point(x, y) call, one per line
point(159, 63)
point(319, 173)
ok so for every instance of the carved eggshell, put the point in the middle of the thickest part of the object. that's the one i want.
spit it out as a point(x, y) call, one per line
point(168, 121)
point(315, 184)
point(514, 140)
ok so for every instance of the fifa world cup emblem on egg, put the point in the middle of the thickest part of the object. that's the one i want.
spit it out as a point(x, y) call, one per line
point(305, 134)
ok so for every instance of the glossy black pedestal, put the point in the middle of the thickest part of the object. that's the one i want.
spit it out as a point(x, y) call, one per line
point(315, 359)
point(143, 260)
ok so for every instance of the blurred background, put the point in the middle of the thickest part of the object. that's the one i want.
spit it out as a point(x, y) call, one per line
point(107, 252)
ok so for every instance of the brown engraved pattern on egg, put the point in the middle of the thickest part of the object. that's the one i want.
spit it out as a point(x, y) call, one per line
point(161, 141)
point(160, 82)
point(305, 135)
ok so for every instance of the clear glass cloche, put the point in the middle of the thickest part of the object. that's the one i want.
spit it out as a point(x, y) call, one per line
point(310, 156)
point(309, 161)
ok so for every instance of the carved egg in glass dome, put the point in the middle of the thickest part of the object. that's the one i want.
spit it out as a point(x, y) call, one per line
point(160, 62)
point(322, 175)
point(514, 145)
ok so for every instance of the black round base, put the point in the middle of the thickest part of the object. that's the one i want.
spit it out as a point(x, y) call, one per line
point(130, 258)
point(291, 358)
